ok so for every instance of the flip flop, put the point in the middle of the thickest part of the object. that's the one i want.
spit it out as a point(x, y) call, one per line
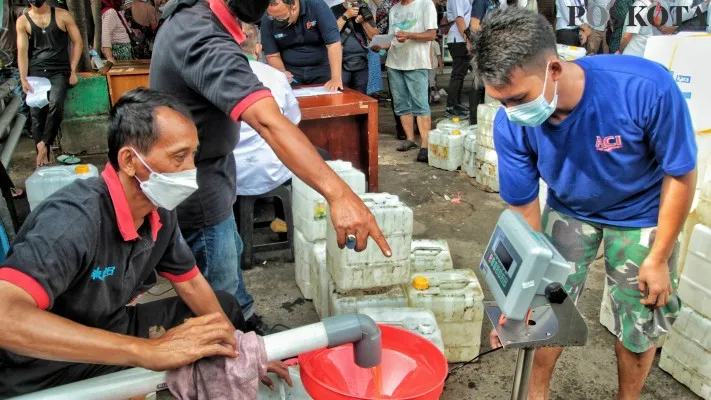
point(18, 193)
point(68, 159)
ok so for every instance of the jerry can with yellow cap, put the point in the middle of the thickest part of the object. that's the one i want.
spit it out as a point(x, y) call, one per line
point(430, 255)
point(469, 156)
point(445, 148)
point(416, 320)
point(456, 299)
point(352, 301)
point(370, 268)
point(47, 180)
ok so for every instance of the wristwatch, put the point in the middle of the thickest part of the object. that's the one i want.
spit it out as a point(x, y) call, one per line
point(343, 17)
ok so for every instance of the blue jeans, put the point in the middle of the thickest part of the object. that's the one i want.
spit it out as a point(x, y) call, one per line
point(218, 251)
point(411, 92)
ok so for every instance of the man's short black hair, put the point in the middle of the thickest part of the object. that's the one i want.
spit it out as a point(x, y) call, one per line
point(287, 2)
point(131, 120)
point(511, 38)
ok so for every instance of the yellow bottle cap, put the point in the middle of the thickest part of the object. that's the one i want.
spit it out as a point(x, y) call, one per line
point(456, 132)
point(455, 119)
point(81, 169)
point(420, 283)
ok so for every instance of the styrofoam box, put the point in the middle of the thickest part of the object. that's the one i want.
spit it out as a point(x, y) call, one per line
point(319, 280)
point(430, 255)
point(445, 149)
point(468, 159)
point(456, 299)
point(302, 255)
point(310, 209)
point(687, 352)
point(370, 268)
point(469, 130)
point(338, 304)
point(448, 125)
point(695, 281)
point(486, 139)
point(416, 320)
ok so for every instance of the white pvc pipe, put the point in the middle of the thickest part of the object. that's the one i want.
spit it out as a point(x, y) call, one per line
point(295, 341)
point(117, 386)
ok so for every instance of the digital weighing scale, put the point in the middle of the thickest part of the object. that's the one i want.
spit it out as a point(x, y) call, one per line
point(526, 273)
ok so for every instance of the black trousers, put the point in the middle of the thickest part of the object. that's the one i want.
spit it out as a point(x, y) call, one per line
point(31, 375)
point(460, 64)
point(310, 75)
point(356, 80)
point(570, 37)
point(476, 97)
point(46, 120)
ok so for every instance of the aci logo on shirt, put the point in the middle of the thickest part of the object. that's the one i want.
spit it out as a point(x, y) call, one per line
point(99, 275)
point(608, 143)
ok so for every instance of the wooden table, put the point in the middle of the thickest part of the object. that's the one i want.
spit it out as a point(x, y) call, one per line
point(125, 76)
point(345, 124)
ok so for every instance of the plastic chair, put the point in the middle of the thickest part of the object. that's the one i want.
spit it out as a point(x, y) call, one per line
point(244, 213)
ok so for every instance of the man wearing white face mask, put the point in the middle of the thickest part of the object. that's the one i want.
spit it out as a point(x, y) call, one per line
point(612, 138)
point(93, 246)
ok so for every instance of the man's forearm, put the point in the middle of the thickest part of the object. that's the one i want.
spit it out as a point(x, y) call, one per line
point(293, 148)
point(677, 195)
point(461, 26)
point(275, 61)
point(30, 331)
point(625, 41)
point(335, 58)
point(76, 55)
point(340, 22)
point(427, 36)
point(22, 63)
point(531, 212)
point(199, 296)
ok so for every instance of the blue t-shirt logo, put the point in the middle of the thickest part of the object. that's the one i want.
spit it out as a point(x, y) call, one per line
point(99, 275)
point(608, 143)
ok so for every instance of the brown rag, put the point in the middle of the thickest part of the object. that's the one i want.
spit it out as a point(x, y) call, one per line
point(218, 378)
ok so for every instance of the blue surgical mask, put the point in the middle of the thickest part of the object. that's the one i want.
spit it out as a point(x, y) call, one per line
point(536, 111)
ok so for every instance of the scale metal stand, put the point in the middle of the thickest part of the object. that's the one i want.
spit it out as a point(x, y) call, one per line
point(554, 322)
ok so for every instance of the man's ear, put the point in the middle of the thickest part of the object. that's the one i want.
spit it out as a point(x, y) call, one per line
point(258, 50)
point(127, 161)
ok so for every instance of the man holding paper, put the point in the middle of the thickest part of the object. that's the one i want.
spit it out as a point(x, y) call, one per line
point(414, 25)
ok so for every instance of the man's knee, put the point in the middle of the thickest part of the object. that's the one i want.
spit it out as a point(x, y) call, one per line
point(231, 308)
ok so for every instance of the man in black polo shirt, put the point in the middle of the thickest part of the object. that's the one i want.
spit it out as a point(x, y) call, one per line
point(200, 61)
point(301, 38)
point(93, 246)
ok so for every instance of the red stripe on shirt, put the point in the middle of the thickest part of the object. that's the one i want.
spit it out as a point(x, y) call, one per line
point(27, 283)
point(219, 8)
point(247, 102)
point(180, 278)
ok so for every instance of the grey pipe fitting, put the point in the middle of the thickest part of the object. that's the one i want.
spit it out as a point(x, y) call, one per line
point(360, 330)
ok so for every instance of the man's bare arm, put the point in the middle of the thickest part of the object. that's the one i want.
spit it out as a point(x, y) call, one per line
point(75, 36)
point(199, 296)
point(30, 331)
point(426, 36)
point(23, 45)
point(531, 212)
point(275, 61)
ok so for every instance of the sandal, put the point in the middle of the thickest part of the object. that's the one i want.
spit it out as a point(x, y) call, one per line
point(68, 159)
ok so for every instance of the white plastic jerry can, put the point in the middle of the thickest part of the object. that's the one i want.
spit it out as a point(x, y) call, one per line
point(319, 280)
point(350, 302)
point(457, 301)
point(310, 209)
point(370, 268)
point(469, 157)
point(695, 281)
point(302, 256)
point(430, 255)
point(417, 320)
point(448, 125)
point(47, 180)
point(445, 149)
point(686, 354)
point(487, 168)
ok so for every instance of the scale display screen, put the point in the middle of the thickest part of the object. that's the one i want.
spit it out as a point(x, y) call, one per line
point(502, 261)
point(504, 256)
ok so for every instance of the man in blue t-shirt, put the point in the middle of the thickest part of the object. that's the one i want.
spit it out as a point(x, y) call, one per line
point(612, 138)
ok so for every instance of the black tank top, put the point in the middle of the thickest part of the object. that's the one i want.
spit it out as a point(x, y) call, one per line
point(49, 47)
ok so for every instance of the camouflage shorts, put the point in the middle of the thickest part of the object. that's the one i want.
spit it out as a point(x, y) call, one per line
point(636, 326)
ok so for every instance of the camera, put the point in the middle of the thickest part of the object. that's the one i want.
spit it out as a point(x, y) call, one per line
point(363, 9)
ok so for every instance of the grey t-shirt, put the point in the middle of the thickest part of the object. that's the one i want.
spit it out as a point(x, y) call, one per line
point(201, 63)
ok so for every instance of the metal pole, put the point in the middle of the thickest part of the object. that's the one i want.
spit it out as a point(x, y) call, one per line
point(522, 377)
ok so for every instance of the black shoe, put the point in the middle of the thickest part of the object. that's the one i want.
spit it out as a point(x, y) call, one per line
point(401, 136)
point(422, 156)
point(407, 145)
point(455, 111)
point(256, 325)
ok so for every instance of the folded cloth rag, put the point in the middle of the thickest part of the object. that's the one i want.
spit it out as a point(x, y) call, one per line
point(218, 378)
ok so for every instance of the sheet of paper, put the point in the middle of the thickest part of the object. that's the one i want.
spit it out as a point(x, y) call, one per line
point(381, 40)
point(313, 91)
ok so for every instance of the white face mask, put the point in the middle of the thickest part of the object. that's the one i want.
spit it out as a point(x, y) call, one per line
point(169, 189)
point(536, 111)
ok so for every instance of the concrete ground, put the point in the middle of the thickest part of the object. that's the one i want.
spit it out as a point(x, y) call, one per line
point(582, 373)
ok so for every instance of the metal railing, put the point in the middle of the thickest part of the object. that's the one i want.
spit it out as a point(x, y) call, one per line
point(11, 126)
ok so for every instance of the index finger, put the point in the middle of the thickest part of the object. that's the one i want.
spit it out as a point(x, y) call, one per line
point(651, 299)
point(379, 238)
